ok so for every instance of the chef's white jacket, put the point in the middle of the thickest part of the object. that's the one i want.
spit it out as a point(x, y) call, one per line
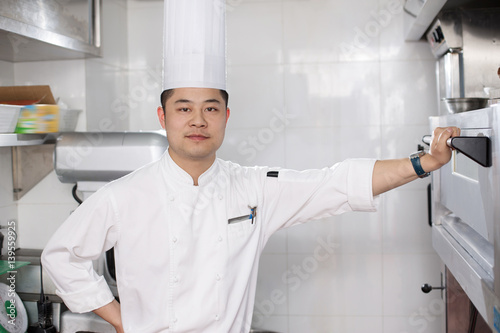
point(184, 261)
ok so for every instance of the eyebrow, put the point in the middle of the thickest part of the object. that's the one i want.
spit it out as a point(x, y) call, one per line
point(212, 100)
point(183, 101)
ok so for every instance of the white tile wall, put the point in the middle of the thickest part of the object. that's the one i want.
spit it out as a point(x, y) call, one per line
point(311, 82)
point(333, 94)
point(406, 308)
point(145, 50)
point(7, 73)
point(42, 210)
point(349, 86)
point(106, 78)
point(408, 92)
point(254, 42)
point(107, 97)
point(255, 99)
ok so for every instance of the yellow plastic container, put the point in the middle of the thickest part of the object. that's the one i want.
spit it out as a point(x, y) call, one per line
point(38, 118)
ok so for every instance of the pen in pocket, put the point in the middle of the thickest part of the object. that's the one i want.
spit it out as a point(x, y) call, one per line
point(251, 216)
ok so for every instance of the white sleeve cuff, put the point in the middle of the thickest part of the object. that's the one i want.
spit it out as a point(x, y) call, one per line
point(359, 185)
point(94, 297)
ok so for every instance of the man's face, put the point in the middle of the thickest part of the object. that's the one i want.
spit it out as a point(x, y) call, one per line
point(195, 121)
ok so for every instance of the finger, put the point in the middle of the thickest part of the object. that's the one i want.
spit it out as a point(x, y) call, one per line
point(454, 131)
point(444, 135)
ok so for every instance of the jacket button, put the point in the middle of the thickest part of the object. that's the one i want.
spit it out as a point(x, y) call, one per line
point(221, 197)
point(217, 277)
point(171, 198)
point(174, 239)
point(216, 317)
point(219, 239)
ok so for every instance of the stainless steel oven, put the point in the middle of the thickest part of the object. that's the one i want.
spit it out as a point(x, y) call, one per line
point(466, 208)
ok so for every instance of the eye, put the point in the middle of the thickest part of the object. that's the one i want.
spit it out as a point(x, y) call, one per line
point(184, 109)
point(211, 109)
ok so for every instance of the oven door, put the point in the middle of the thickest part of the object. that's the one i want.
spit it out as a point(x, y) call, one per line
point(465, 200)
point(467, 190)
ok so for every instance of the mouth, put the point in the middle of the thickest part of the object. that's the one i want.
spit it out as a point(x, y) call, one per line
point(197, 137)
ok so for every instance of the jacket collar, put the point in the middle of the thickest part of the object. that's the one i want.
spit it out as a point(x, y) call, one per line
point(176, 173)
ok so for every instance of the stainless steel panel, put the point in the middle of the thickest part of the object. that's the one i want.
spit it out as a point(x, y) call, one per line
point(66, 17)
point(468, 38)
point(49, 30)
point(481, 51)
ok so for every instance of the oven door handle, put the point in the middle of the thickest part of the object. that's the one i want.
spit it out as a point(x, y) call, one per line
point(477, 148)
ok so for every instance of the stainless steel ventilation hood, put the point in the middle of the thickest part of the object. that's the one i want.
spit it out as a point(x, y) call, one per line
point(420, 14)
point(49, 29)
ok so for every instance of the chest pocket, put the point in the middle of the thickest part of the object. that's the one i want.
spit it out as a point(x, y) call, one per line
point(242, 223)
point(241, 227)
point(242, 237)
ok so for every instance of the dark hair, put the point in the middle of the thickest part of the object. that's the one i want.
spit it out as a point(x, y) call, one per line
point(166, 94)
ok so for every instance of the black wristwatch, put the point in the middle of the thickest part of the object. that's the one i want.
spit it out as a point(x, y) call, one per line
point(415, 161)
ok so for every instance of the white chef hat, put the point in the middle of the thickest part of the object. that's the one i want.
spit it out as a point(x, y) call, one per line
point(194, 45)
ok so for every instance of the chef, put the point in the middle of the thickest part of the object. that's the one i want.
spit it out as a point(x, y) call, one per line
point(188, 229)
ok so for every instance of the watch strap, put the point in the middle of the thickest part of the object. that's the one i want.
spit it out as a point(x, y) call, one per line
point(417, 166)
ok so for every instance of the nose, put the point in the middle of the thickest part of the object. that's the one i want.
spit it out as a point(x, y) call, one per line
point(198, 119)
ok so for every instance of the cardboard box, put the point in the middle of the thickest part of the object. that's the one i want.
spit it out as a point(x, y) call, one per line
point(26, 95)
point(39, 114)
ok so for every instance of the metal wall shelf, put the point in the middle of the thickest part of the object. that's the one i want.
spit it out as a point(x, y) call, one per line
point(16, 140)
point(31, 159)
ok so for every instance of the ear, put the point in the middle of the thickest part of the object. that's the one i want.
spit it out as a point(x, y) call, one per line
point(228, 112)
point(161, 116)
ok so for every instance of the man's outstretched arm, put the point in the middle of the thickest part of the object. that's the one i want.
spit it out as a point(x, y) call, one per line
point(389, 174)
